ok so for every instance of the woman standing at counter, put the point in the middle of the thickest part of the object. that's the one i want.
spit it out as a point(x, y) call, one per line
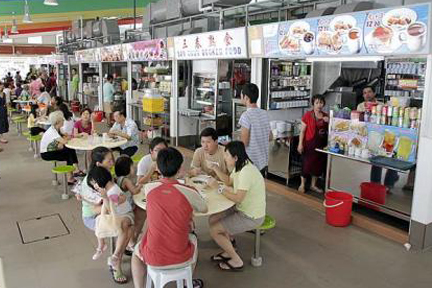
point(313, 135)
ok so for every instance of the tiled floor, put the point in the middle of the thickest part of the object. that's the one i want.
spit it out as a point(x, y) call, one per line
point(302, 251)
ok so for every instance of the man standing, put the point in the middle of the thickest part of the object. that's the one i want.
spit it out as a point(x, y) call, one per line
point(126, 128)
point(108, 96)
point(18, 78)
point(75, 84)
point(255, 128)
point(391, 176)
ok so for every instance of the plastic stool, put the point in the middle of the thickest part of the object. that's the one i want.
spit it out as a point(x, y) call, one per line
point(36, 139)
point(10, 111)
point(19, 120)
point(137, 157)
point(55, 179)
point(27, 134)
point(64, 170)
point(269, 223)
point(160, 277)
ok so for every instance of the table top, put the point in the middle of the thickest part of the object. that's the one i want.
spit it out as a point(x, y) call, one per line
point(90, 142)
point(23, 101)
point(43, 122)
point(216, 202)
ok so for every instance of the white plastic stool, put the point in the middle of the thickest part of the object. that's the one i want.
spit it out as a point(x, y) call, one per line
point(160, 277)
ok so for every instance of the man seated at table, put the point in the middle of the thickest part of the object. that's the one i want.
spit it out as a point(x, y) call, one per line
point(209, 153)
point(168, 242)
point(126, 128)
point(147, 171)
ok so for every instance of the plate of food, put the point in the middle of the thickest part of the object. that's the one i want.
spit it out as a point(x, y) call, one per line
point(328, 42)
point(342, 126)
point(289, 44)
point(342, 24)
point(382, 40)
point(299, 28)
point(399, 18)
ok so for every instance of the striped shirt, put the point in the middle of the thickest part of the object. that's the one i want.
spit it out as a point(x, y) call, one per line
point(130, 128)
point(256, 120)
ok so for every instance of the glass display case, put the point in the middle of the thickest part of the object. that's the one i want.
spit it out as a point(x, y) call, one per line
point(204, 94)
point(90, 81)
point(289, 84)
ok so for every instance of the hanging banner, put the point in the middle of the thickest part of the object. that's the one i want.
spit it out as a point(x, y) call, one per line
point(390, 31)
point(151, 50)
point(224, 44)
point(111, 53)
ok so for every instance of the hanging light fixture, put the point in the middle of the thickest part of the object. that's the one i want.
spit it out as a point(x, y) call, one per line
point(5, 36)
point(14, 29)
point(27, 18)
point(51, 2)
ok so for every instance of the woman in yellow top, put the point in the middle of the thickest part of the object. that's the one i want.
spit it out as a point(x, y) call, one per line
point(31, 121)
point(246, 187)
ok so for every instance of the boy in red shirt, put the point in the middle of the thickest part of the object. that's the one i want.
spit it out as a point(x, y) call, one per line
point(167, 242)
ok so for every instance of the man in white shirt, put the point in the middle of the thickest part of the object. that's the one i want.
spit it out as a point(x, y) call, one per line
point(147, 171)
point(8, 92)
point(44, 97)
point(126, 128)
point(108, 96)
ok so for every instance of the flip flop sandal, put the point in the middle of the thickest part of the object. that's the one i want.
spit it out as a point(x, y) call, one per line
point(79, 174)
point(118, 276)
point(197, 283)
point(129, 251)
point(219, 258)
point(71, 183)
point(230, 267)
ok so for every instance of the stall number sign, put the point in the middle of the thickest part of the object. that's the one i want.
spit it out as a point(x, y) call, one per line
point(225, 44)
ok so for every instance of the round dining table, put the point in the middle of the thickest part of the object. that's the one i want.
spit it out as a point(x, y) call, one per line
point(216, 202)
point(90, 142)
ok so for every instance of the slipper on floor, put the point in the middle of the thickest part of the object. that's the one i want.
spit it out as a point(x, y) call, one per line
point(72, 182)
point(219, 258)
point(79, 174)
point(117, 276)
point(4, 141)
point(230, 267)
point(197, 283)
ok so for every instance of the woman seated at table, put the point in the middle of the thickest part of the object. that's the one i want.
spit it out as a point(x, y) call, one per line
point(68, 124)
point(52, 146)
point(246, 187)
point(31, 121)
point(84, 126)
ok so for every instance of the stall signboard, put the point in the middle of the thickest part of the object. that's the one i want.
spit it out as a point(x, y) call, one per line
point(151, 50)
point(224, 44)
point(86, 56)
point(111, 53)
point(390, 31)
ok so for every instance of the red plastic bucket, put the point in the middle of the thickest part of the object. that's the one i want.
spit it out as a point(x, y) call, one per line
point(75, 106)
point(338, 208)
point(373, 192)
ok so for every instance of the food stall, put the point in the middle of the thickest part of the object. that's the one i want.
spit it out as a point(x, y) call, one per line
point(211, 69)
point(90, 75)
point(150, 86)
point(114, 64)
point(385, 48)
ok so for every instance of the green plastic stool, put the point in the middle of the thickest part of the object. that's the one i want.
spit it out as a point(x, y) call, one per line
point(11, 110)
point(64, 169)
point(55, 179)
point(27, 134)
point(19, 120)
point(136, 158)
point(36, 139)
point(269, 223)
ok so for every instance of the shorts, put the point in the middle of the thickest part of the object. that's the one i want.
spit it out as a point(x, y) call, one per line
point(192, 238)
point(129, 215)
point(90, 222)
point(107, 107)
point(236, 222)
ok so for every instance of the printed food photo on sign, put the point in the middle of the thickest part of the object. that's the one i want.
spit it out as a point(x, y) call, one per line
point(341, 34)
point(296, 38)
point(397, 30)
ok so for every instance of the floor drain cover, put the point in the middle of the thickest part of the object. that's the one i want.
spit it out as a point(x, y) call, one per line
point(42, 228)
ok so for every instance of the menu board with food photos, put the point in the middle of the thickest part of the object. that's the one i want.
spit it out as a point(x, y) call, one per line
point(394, 31)
point(111, 53)
point(86, 56)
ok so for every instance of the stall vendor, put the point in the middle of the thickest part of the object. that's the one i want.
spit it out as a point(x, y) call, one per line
point(369, 97)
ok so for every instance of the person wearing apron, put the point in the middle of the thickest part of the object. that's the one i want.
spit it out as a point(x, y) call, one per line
point(313, 135)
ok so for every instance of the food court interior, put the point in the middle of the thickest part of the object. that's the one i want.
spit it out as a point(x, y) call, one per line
point(131, 77)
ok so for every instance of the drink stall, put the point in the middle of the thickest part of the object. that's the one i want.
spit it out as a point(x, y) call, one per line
point(211, 69)
point(150, 86)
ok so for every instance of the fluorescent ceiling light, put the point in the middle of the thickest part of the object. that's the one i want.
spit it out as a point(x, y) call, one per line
point(27, 18)
point(51, 2)
point(345, 59)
